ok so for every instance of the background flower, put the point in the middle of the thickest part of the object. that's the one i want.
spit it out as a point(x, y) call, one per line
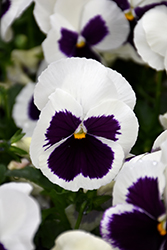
point(20, 216)
point(96, 26)
point(138, 208)
point(79, 240)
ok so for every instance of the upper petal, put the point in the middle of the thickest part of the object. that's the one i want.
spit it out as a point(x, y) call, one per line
point(85, 79)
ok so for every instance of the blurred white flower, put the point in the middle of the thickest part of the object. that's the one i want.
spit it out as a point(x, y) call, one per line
point(80, 240)
point(86, 30)
point(11, 9)
point(163, 120)
point(19, 216)
point(150, 37)
point(25, 113)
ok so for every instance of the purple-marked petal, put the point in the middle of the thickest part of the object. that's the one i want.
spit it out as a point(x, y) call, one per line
point(124, 121)
point(62, 125)
point(89, 157)
point(131, 172)
point(33, 111)
point(67, 42)
point(128, 227)
point(2, 247)
point(104, 126)
point(145, 194)
point(95, 30)
point(5, 7)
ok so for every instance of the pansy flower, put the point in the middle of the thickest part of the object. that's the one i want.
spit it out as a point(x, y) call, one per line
point(150, 37)
point(134, 10)
point(80, 240)
point(25, 112)
point(10, 10)
point(100, 25)
point(137, 219)
point(19, 215)
point(85, 122)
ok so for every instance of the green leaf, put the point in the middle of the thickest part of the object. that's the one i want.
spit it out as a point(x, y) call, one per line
point(32, 174)
point(2, 173)
point(17, 150)
point(17, 136)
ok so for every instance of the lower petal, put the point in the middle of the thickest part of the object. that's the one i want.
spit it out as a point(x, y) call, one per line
point(82, 163)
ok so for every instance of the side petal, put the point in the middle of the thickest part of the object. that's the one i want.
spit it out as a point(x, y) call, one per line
point(125, 118)
point(136, 175)
point(55, 123)
point(128, 227)
point(113, 16)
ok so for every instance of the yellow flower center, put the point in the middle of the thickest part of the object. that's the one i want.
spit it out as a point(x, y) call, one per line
point(79, 135)
point(80, 44)
point(80, 132)
point(129, 15)
point(162, 228)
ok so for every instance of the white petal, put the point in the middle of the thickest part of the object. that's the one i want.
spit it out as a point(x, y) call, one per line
point(155, 26)
point(59, 100)
point(159, 140)
point(114, 17)
point(18, 186)
point(16, 9)
point(20, 222)
point(155, 60)
point(71, 10)
point(124, 89)
point(85, 79)
point(80, 240)
point(42, 11)
point(125, 117)
point(131, 172)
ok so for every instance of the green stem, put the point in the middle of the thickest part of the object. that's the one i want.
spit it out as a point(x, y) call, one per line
point(82, 208)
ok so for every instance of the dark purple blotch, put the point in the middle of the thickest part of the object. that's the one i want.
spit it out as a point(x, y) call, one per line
point(4, 7)
point(88, 156)
point(33, 111)
point(144, 193)
point(93, 33)
point(133, 230)
point(2, 247)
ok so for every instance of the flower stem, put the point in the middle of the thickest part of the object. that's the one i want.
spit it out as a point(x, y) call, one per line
point(82, 208)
